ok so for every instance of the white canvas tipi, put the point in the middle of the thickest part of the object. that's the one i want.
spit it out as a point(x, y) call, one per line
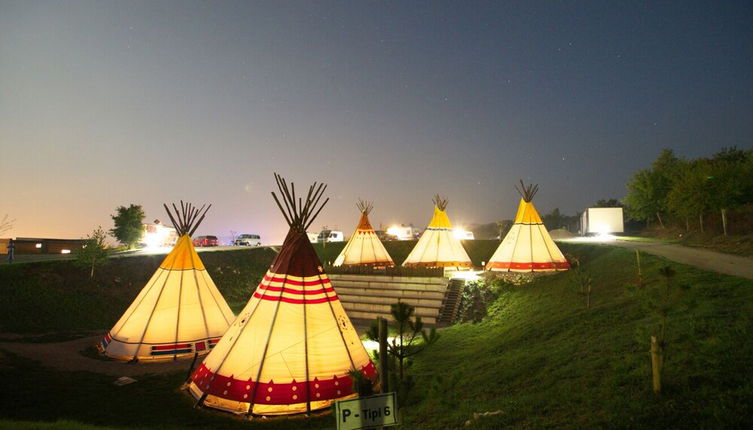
point(527, 246)
point(438, 246)
point(292, 347)
point(179, 312)
point(364, 248)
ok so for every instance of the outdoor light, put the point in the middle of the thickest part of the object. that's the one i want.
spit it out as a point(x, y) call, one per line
point(65, 251)
point(38, 246)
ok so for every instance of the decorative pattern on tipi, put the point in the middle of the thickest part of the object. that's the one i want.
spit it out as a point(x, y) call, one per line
point(291, 348)
point(438, 246)
point(364, 248)
point(179, 312)
point(527, 246)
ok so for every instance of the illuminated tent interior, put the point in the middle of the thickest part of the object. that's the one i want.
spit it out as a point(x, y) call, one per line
point(291, 348)
point(364, 247)
point(438, 246)
point(527, 246)
point(179, 312)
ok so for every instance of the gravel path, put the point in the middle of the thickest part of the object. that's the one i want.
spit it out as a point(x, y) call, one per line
point(703, 259)
point(66, 356)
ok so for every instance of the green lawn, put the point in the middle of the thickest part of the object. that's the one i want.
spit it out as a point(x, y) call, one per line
point(540, 356)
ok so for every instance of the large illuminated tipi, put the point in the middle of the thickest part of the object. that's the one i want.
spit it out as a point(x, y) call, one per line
point(364, 248)
point(438, 246)
point(179, 312)
point(527, 246)
point(291, 348)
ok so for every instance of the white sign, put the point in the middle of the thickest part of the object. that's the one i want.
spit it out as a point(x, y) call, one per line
point(364, 412)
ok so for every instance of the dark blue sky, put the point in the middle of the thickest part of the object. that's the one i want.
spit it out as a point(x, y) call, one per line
point(108, 103)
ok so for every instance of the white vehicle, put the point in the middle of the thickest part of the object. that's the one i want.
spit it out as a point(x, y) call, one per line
point(312, 237)
point(602, 221)
point(330, 236)
point(247, 240)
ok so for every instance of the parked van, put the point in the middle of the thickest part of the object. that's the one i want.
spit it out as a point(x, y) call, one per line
point(247, 240)
point(330, 236)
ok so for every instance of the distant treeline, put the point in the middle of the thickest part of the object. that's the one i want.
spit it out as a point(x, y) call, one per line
point(683, 192)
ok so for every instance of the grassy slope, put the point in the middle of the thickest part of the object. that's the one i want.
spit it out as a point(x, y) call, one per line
point(541, 357)
point(58, 296)
point(545, 360)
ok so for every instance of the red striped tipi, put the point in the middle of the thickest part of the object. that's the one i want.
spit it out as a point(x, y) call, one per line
point(364, 248)
point(291, 348)
point(528, 247)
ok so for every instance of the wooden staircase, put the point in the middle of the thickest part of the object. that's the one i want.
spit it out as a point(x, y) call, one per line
point(365, 297)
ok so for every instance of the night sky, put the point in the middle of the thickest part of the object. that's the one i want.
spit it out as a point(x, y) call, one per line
point(110, 103)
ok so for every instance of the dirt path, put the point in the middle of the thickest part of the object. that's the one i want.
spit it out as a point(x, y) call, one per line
point(66, 356)
point(708, 260)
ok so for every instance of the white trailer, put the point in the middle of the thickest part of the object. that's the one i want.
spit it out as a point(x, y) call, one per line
point(602, 221)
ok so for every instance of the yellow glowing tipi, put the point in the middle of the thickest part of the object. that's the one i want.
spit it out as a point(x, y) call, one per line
point(179, 312)
point(527, 246)
point(364, 248)
point(291, 348)
point(438, 246)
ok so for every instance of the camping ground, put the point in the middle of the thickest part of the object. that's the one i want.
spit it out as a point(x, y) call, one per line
point(540, 356)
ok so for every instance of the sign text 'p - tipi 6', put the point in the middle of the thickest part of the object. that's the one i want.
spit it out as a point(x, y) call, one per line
point(291, 348)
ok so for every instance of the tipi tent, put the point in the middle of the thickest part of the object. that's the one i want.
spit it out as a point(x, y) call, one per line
point(179, 312)
point(438, 246)
point(527, 246)
point(291, 348)
point(364, 248)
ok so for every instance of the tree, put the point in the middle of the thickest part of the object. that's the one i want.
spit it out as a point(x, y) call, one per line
point(690, 195)
point(648, 188)
point(727, 180)
point(608, 203)
point(94, 253)
point(127, 222)
point(644, 201)
point(408, 330)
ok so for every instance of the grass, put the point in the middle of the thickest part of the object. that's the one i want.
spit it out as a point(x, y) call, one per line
point(546, 361)
point(154, 401)
point(540, 356)
point(58, 296)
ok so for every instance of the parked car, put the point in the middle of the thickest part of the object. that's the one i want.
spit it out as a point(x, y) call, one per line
point(206, 241)
point(247, 240)
point(330, 236)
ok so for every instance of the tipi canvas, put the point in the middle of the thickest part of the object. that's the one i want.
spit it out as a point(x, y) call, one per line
point(291, 348)
point(364, 248)
point(527, 246)
point(179, 312)
point(438, 246)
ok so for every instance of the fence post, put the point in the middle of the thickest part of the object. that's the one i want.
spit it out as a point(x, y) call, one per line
point(383, 359)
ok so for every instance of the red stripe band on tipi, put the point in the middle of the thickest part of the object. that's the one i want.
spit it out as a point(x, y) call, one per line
point(271, 393)
point(295, 291)
point(295, 301)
